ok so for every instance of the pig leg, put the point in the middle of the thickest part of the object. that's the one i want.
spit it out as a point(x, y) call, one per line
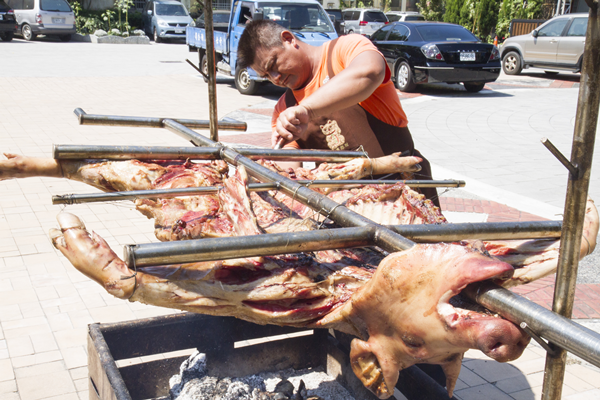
point(535, 259)
point(92, 256)
point(16, 166)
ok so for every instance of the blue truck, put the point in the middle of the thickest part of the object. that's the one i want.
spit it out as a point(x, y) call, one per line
point(305, 18)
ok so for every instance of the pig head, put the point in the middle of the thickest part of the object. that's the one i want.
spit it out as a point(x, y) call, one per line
point(405, 313)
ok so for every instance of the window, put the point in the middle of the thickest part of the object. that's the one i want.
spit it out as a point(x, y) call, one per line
point(553, 28)
point(399, 33)
point(355, 15)
point(393, 17)
point(445, 33)
point(54, 5)
point(374, 16)
point(578, 27)
point(382, 33)
point(414, 18)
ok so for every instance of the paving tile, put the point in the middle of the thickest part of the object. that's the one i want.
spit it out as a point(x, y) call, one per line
point(8, 387)
point(37, 358)
point(486, 391)
point(492, 371)
point(6, 370)
point(43, 386)
point(593, 394)
point(40, 369)
point(75, 357)
point(469, 378)
point(71, 338)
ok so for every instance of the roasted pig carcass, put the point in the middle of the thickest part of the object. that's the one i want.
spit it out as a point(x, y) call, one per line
point(403, 307)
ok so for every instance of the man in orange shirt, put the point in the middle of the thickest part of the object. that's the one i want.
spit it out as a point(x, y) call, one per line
point(339, 97)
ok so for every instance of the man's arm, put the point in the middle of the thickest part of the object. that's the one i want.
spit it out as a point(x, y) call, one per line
point(352, 85)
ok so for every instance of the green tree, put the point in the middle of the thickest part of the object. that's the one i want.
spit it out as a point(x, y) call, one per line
point(452, 14)
point(432, 10)
point(516, 9)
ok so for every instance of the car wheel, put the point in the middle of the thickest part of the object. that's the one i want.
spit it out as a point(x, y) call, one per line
point(65, 38)
point(6, 36)
point(157, 38)
point(474, 87)
point(512, 63)
point(204, 67)
point(551, 73)
point(27, 32)
point(404, 78)
point(243, 83)
point(350, 32)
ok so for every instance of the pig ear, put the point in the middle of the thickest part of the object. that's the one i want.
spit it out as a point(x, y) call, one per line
point(366, 367)
point(452, 369)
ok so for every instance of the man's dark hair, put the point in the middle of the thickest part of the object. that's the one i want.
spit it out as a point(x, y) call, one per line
point(260, 33)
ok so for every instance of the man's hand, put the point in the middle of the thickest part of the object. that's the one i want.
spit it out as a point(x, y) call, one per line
point(291, 125)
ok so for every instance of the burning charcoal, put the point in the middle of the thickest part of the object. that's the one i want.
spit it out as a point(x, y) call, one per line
point(285, 387)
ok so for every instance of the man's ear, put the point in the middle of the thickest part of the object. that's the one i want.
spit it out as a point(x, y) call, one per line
point(288, 37)
point(366, 367)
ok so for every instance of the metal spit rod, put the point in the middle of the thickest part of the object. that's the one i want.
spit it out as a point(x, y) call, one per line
point(252, 187)
point(81, 152)
point(214, 249)
point(582, 153)
point(152, 122)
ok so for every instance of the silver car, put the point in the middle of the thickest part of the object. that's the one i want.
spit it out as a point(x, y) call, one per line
point(363, 21)
point(165, 20)
point(556, 45)
point(44, 17)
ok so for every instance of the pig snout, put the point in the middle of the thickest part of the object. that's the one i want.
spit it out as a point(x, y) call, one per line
point(502, 340)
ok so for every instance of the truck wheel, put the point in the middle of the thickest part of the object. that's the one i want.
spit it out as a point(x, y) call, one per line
point(204, 67)
point(512, 63)
point(243, 83)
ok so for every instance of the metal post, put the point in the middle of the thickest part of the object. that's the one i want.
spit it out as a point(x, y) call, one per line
point(577, 190)
point(212, 75)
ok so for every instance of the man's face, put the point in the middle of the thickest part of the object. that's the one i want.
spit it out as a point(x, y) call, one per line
point(286, 66)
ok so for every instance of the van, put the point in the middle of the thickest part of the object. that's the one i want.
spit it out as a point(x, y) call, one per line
point(165, 20)
point(44, 17)
point(364, 21)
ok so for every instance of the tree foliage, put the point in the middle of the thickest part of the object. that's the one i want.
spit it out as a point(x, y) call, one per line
point(432, 10)
point(516, 9)
point(452, 14)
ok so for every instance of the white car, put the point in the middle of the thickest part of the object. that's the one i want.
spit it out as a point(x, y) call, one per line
point(394, 16)
point(363, 21)
point(558, 44)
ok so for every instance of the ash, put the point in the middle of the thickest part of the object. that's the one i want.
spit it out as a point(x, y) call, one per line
point(193, 383)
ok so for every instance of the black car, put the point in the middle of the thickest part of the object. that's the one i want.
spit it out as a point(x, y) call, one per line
point(8, 23)
point(428, 52)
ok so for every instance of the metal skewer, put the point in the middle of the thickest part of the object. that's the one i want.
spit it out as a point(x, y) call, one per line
point(253, 187)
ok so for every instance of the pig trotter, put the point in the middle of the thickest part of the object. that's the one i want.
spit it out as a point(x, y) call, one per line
point(92, 256)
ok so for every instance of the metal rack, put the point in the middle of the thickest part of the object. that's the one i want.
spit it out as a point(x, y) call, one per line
point(554, 326)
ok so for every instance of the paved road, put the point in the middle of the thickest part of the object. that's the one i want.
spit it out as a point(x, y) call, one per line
point(490, 139)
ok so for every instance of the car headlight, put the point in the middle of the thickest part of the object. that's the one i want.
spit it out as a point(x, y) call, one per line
point(430, 50)
point(495, 54)
point(163, 24)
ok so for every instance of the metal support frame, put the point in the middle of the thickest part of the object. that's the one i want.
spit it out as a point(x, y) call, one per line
point(582, 152)
point(563, 334)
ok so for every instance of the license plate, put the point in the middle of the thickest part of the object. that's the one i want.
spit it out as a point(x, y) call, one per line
point(58, 20)
point(178, 30)
point(467, 56)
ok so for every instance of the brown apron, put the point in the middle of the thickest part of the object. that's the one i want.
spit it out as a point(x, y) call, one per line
point(353, 127)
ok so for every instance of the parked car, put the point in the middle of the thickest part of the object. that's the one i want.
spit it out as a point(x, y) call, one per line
point(555, 45)
point(165, 19)
point(8, 23)
point(335, 14)
point(220, 20)
point(394, 16)
point(428, 52)
point(364, 21)
point(44, 17)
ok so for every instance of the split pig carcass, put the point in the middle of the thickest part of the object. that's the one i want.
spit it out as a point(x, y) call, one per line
point(404, 308)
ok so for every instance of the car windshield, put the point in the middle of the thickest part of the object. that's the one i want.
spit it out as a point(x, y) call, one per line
point(375, 16)
point(445, 33)
point(55, 5)
point(393, 17)
point(298, 17)
point(170, 9)
point(221, 17)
